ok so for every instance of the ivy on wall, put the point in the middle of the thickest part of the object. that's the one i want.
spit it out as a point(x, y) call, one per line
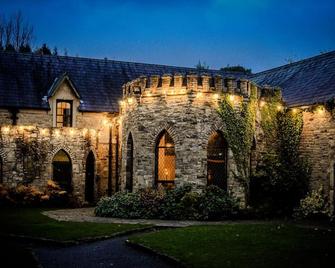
point(282, 174)
point(239, 132)
point(30, 155)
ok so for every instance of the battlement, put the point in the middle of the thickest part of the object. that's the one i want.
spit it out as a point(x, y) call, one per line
point(178, 84)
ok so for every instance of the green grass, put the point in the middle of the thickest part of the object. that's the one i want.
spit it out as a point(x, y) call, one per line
point(244, 245)
point(30, 222)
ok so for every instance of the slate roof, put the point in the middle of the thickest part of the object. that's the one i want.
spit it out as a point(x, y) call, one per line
point(26, 78)
point(304, 82)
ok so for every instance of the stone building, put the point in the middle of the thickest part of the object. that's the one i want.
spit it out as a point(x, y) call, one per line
point(100, 126)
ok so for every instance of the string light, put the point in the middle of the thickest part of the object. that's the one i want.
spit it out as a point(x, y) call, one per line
point(6, 130)
point(320, 110)
point(279, 107)
point(199, 94)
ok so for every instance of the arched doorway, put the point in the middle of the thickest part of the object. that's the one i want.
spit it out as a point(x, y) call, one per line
point(1, 170)
point(89, 177)
point(165, 171)
point(129, 163)
point(62, 170)
point(217, 160)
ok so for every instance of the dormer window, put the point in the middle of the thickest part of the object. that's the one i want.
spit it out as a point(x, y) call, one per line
point(64, 113)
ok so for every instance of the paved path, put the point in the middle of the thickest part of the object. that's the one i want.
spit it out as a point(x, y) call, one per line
point(87, 215)
point(107, 253)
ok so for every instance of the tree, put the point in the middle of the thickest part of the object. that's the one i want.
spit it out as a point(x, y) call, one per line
point(236, 68)
point(15, 33)
point(202, 66)
point(43, 50)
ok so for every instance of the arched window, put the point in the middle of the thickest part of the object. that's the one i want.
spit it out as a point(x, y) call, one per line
point(62, 170)
point(1, 170)
point(89, 177)
point(129, 163)
point(217, 160)
point(165, 160)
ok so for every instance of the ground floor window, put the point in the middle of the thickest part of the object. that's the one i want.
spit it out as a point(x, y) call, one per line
point(62, 170)
point(165, 160)
point(217, 160)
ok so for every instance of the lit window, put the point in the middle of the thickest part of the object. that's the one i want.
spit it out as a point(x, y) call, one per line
point(64, 113)
point(165, 160)
point(217, 160)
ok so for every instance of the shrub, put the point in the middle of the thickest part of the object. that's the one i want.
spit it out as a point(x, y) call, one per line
point(314, 205)
point(28, 195)
point(216, 204)
point(179, 203)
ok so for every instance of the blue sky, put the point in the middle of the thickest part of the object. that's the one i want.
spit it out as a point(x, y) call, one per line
point(258, 34)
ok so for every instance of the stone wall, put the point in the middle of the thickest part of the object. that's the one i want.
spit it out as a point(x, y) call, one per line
point(37, 124)
point(318, 146)
point(186, 108)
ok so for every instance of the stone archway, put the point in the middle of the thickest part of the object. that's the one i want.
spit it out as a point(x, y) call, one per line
point(62, 170)
point(217, 160)
point(90, 177)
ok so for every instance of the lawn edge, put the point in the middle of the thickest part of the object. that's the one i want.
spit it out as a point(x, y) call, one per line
point(172, 260)
point(51, 241)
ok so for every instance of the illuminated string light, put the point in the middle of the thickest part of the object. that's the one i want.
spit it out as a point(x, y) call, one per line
point(279, 107)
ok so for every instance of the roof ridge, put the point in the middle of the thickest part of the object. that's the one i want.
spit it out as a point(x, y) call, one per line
point(295, 63)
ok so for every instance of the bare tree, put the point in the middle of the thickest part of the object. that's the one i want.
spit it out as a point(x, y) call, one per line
point(15, 32)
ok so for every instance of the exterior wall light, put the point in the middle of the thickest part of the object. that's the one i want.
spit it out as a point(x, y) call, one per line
point(262, 103)
point(279, 107)
point(6, 130)
point(232, 97)
point(294, 110)
point(199, 94)
point(71, 132)
point(320, 110)
point(130, 100)
point(216, 96)
point(57, 133)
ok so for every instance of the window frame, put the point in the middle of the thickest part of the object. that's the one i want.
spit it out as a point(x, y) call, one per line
point(165, 183)
point(71, 109)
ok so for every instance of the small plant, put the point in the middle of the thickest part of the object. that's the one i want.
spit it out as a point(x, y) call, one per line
point(314, 205)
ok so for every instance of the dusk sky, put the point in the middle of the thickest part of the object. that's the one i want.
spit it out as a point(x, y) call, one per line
point(258, 34)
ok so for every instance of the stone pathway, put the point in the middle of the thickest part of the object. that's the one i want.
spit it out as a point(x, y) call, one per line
point(107, 253)
point(87, 215)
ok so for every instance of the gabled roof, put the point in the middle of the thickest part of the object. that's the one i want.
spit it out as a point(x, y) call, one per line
point(304, 82)
point(26, 78)
point(60, 80)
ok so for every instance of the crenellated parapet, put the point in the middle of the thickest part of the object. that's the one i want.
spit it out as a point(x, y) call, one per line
point(178, 84)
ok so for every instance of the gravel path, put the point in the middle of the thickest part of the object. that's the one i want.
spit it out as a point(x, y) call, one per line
point(107, 253)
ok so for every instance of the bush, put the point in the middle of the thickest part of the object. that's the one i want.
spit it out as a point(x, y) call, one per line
point(216, 204)
point(314, 205)
point(28, 195)
point(177, 204)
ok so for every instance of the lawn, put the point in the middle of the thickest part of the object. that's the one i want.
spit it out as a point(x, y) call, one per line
point(244, 245)
point(30, 222)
